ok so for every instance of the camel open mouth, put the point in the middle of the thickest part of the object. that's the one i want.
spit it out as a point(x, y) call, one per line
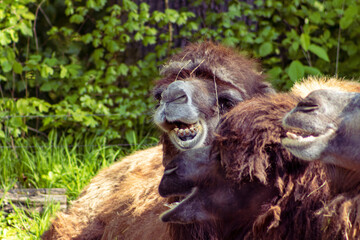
point(305, 145)
point(296, 138)
point(171, 214)
point(186, 136)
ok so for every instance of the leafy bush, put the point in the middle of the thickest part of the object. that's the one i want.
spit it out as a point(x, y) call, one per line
point(91, 64)
point(84, 68)
point(292, 38)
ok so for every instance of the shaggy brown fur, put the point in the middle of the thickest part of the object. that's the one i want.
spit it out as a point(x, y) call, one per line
point(126, 188)
point(122, 201)
point(321, 202)
point(250, 147)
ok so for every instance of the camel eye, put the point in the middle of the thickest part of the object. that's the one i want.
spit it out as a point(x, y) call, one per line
point(307, 106)
point(157, 96)
point(228, 100)
point(225, 104)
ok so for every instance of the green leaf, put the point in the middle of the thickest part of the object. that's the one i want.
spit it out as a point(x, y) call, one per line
point(138, 36)
point(87, 38)
point(296, 70)
point(123, 69)
point(172, 15)
point(315, 17)
point(28, 15)
point(25, 29)
point(17, 67)
point(193, 26)
point(158, 16)
point(6, 66)
point(129, 5)
point(16, 122)
point(312, 70)
point(149, 40)
point(4, 38)
point(151, 31)
point(49, 86)
point(90, 122)
point(319, 6)
point(305, 41)
point(265, 49)
point(319, 51)
point(349, 16)
point(46, 71)
point(44, 106)
point(91, 4)
point(63, 71)
point(130, 137)
point(112, 46)
point(274, 72)
point(2, 134)
point(144, 7)
point(3, 78)
point(10, 55)
point(337, 3)
point(76, 18)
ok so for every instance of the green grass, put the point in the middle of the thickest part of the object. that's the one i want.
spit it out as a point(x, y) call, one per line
point(65, 163)
point(23, 224)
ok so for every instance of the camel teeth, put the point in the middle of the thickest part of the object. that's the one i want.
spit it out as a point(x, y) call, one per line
point(192, 132)
point(291, 135)
point(171, 205)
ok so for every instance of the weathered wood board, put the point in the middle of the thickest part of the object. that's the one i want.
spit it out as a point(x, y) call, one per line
point(32, 199)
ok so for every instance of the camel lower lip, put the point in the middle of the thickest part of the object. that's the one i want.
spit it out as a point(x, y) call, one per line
point(307, 147)
point(165, 216)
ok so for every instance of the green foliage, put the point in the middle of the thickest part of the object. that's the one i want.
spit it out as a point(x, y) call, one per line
point(25, 225)
point(294, 38)
point(91, 64)
point(60, 162)
point(84, 66)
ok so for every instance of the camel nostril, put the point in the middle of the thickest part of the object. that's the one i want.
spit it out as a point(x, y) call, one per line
point(170, 171)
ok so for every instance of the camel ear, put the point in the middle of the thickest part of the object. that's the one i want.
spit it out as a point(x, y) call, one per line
point(190, 210)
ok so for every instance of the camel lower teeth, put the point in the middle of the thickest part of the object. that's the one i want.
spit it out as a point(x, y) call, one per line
point(171, 205)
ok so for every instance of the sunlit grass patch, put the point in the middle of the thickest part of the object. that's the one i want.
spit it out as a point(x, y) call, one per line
point(58, 162)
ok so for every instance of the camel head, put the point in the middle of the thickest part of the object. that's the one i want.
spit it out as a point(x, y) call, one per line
point(199, 85)
point(325, 125)
point(207, 196)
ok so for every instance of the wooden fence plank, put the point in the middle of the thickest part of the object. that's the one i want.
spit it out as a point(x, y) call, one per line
point(33, 198)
